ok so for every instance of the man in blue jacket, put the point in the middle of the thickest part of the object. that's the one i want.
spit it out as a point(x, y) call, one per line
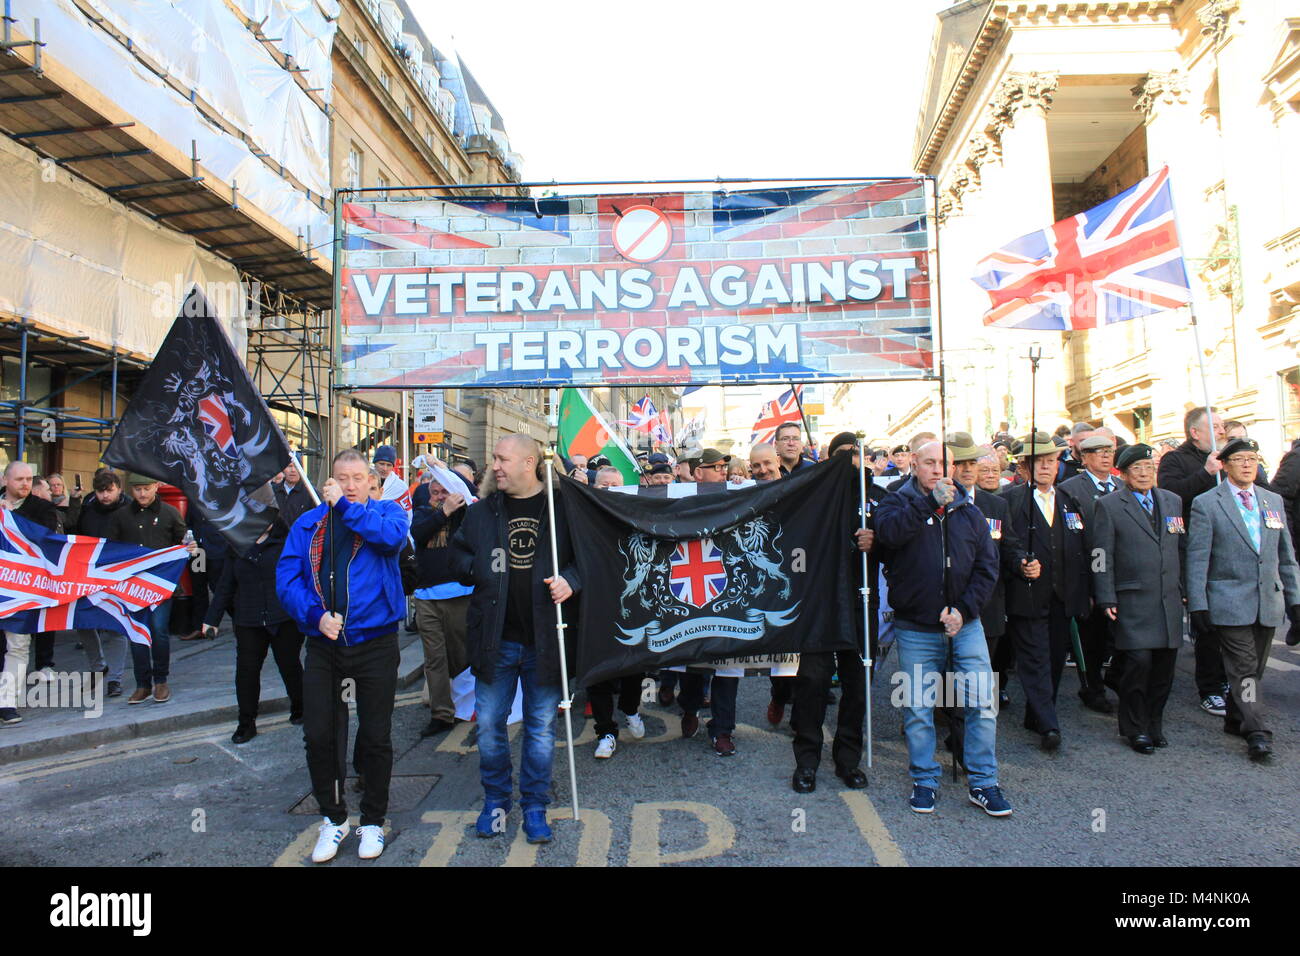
point(338, 578)
point(928, 521)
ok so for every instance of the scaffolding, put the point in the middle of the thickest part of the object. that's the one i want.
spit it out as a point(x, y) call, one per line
point(289, 360)
point(78, 360)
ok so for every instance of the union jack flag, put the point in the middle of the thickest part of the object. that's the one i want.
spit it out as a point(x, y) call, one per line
point(775, 414)
point(697, 574)
point(1115, 262)
point(216, 422)
point(646, 419)
point(55, 582)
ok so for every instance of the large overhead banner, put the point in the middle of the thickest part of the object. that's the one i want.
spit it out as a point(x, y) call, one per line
point(818, 283)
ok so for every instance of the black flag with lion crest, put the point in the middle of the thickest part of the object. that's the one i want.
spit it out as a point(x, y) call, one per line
point(196, 421)
point(741, 571)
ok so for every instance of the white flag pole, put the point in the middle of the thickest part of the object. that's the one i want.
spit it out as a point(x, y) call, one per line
point(863, 515)
point(302, 476)
point(566, 704)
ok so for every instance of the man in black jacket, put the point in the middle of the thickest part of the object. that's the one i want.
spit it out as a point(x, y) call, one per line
point(942, 565)
point(1286, 482)
point(105, 649)
point(18, 499)
point(503, 550)
point(1190, 470)
point(151, 522)
point(246, 589)
point(1050, 584)
point(441, 602)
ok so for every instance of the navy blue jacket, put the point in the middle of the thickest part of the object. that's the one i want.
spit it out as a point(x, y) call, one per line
point(911, 537)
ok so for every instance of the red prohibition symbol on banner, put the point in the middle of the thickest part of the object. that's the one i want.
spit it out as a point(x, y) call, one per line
point(642, 233)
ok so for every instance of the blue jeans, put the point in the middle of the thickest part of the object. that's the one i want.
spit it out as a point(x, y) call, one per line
point(923, 661)
point(514, 663)
point(151, 663)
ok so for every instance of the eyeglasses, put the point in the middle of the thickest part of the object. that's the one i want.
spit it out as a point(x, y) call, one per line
point(1243, 460)
point(720, 466)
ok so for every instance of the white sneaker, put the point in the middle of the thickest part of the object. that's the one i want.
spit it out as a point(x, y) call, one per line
point(605, 747)
point(635, 725)
point(372, 841)
point(327, 844)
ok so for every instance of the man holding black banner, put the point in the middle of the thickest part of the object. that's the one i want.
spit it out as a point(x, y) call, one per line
point(502, 550)
point(812, 683)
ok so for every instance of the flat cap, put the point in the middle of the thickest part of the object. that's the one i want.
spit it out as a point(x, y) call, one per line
point(1096, 443)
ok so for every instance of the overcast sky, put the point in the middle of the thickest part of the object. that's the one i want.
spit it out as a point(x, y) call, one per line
point(611, 89)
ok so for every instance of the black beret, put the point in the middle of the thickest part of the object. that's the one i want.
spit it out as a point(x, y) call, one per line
point(1236, 445)
point(1131, 454)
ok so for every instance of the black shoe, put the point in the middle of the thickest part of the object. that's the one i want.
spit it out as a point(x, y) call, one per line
point(1097, 702)
point(1142, 744)
point(1004, 699)
point(244, 733)
point(1258, 747)
point(1293, 636)
point(854, 779)
point(1160, 740)
point(295, 718)
point(805, 780)
point(436, 726)
point(114, 689)
point(1051, 740)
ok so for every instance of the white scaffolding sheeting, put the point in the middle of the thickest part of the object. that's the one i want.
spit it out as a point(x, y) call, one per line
point(204, 46)
point(73, 40)
point(80, 263)
point(303, 29)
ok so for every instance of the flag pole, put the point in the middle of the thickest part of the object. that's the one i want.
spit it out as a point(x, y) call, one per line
point(302, 476)
point(1196, 329)
point(799, 403)
point(865, 515)
point(566, 704)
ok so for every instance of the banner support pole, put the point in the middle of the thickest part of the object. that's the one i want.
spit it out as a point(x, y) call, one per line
point(865, 515)
point(566, 703)
point(302, 476)
point(1205, 386)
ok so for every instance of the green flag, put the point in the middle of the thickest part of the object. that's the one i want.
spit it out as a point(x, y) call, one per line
point(582, 431)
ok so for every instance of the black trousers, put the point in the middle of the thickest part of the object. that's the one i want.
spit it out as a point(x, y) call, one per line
point(1144, 683)
point(782, 690)
point(371, 668)
point(1245, 655)
point(44, 645)
point(809, 712)
point(251, 644)
point(1094, 634)
point(602, 701)
point(1210, 675)
point(1041, 643)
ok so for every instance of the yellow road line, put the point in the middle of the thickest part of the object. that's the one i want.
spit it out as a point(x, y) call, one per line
point(873, 829)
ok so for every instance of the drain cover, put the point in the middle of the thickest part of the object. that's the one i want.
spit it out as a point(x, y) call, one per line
point(405, 792)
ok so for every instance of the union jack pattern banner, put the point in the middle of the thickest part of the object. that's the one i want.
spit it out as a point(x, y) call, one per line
point(805, 284)
point(55, 582)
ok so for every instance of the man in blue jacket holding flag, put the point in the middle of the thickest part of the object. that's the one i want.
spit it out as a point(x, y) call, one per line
point(339, 579)
point(941, 564)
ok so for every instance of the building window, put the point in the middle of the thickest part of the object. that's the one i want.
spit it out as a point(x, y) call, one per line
point(385, 80)
point(374, 427)
point(1290, 381)
point(428, 138)
point(360, 44)
point(352, 174)
point(382, 182)
point(409, 110)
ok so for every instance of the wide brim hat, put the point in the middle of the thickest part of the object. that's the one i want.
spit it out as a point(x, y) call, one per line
point(1037, 445)
point(962, 447)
